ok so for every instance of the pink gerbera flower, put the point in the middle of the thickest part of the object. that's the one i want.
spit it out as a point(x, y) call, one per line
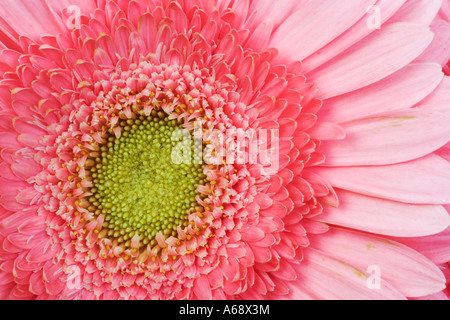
point(346, 203)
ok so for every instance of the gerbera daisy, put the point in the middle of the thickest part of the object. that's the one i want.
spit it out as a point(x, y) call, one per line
point(109, 106)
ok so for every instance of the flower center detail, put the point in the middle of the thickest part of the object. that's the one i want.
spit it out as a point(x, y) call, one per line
point(138, 186)
point(133, 201)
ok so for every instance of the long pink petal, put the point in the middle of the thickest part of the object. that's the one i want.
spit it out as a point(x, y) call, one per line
point(434, 297)
point(439, 100)
point(31, 18)
point(85, 6)
point(385, 217)
point(277, 11)
point(435, 247)
point(314, 25)
point(444, 152)
point(399, 91)
point(445, 10)
point(439, 50)
point(418, 11)
point(425, 180)
point(406, 269)
point(388, 138)
point(260, 37)
point(327, 131)
point(353, 35)
point(327, 278)
point(372, 59)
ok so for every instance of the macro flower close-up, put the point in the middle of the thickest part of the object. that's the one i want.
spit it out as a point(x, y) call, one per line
point(224, 149)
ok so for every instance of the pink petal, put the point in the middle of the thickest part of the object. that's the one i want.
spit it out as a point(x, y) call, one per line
point(315, 227)
point(388, 138)
point(439, 50)
point(37, 285)
point(278, 11)
point(435, 247)
point(444, 152)
point(252, 233)
point(286, 271)
point(8, 140)
point(86, 6)
point(439, 100)
point(215, 278)
point(445, 10)
point(32, 19)
point(435, 296)
point(385, 217)
point(351, 36)
point(263, 200)
point(425, 180)
point(372, 59)
point(202, 288)
point(399, 91)
point(327, 131)
point(148, 30)
point(262, 255)
point(324, 277)
point(418, 11)
point(408, 271)
point(260, 37)
point(27, 127)
point(9, 36)
point(315, 23)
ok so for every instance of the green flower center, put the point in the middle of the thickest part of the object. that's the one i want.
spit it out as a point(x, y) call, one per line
point(138, 186)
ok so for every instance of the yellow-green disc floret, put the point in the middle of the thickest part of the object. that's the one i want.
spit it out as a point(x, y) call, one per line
point(136, 184)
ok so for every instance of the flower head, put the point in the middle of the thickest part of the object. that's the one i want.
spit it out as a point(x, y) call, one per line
point(200, 149)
